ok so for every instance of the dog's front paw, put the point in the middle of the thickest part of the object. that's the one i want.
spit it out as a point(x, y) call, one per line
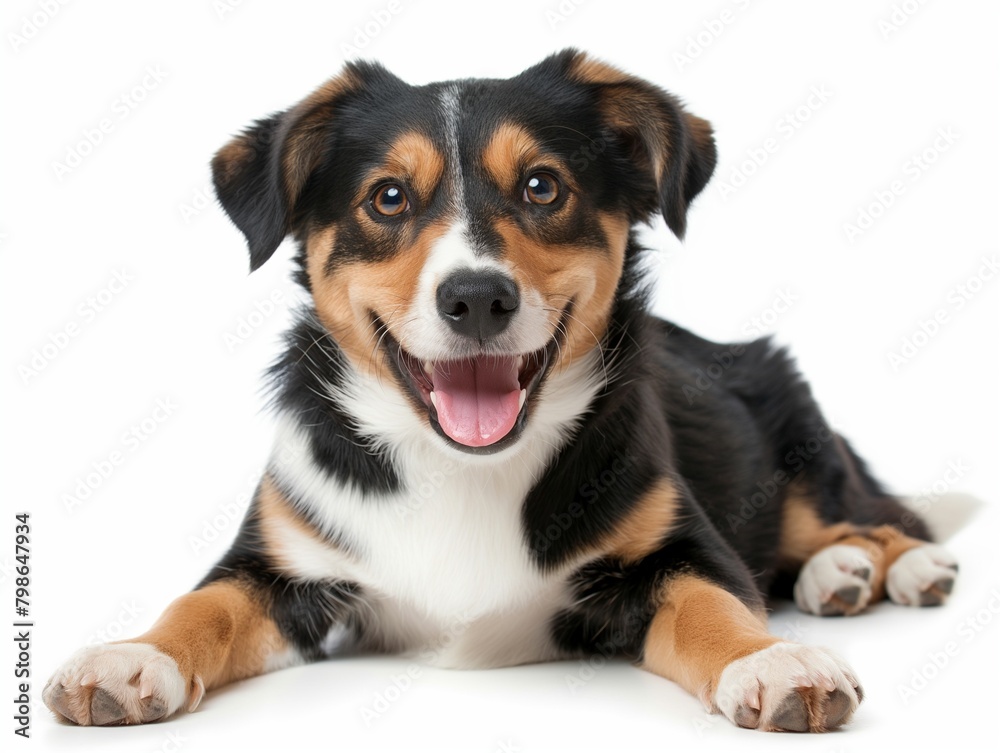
point(122, 683)
point(922, 576)
point(788, 688)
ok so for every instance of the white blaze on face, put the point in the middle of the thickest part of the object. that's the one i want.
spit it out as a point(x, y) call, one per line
point(477, 398)
point(477, 391)
point(423, 332)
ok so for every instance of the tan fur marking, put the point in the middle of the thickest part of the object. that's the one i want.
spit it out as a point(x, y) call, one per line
point(277, 516)
point(701, 130)
point(306, 124)
point(231, 157)
point(803, 535)
point(634, 111)
point(646, 525)
point(345, 298)
point(299, 134)
point(591, 71)
point(802, 532)
point(220, 633)
point(510, 151)
point(884, 545)
point(700, 629)
point(630, 105)
point(561, 273)
point(413, 158)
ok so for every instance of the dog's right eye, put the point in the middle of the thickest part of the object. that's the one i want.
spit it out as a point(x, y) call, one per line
point(390, 200)
point(541, 188)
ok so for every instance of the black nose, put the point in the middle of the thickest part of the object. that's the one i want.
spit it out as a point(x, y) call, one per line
point(477, 304)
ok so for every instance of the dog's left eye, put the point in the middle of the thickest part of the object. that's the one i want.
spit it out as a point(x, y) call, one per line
point(389, 200)
point(541, 188)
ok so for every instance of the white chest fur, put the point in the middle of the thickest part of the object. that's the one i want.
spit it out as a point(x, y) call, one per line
point(446, 554)
point(450, 542)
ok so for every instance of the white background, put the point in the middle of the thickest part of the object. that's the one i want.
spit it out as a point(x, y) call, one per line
point(138, 202)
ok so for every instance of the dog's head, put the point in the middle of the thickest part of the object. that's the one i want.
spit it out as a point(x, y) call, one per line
point(462, 240)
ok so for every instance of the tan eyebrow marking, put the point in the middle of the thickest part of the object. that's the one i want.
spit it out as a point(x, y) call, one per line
point(510, 149)
point(414, 158)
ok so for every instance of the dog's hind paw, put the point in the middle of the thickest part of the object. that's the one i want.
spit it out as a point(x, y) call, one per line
point(836, 580)
point(922, 577)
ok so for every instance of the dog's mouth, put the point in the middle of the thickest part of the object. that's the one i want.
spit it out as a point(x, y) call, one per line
point(479, 403)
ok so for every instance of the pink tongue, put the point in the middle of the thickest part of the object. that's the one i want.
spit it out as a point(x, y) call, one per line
point(477, 400)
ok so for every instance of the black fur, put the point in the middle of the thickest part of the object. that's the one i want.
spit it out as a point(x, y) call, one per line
point(304, 611)
point(733, 425)
point(299, 379)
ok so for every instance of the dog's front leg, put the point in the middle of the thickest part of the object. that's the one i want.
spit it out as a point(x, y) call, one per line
point(249, 616)
point(204, 639)
point(712, 644)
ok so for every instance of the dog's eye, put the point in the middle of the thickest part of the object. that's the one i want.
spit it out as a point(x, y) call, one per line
point(541, 188)
point(390, 200)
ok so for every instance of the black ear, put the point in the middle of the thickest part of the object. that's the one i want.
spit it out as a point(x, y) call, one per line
point(694, 162)
point(672, 148)
point(260, 174)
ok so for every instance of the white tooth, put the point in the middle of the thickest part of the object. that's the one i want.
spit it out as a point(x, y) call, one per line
point(428, 367)
point(520, 363)
point(520, 400)
point(434, 399)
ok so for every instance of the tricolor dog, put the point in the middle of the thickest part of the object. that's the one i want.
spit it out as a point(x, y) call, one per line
point(490, 452)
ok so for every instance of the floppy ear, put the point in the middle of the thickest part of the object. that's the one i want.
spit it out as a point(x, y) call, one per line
point(674, 150)
point(260, 174)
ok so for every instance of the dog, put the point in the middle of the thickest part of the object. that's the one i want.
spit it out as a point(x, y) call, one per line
point(489, 451)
